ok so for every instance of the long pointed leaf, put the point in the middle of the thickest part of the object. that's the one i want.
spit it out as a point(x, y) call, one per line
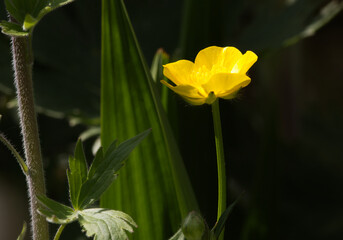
point(77, 173)
point(153, 187)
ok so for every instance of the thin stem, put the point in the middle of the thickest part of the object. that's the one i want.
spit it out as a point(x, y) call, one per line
point(59, 232)
point(20, 160)
point(22, 64)
point(220, 161)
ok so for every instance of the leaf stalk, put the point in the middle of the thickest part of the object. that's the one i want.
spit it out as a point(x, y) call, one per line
point(20, 160)
point(59, 232)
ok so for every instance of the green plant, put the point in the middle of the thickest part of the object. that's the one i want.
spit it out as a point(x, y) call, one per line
point(154, 187)
point(86, 185)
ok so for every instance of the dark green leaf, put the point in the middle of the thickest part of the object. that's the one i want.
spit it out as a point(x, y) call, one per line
point(327, 13)
point(56, 212)
point(29, 12)
point(199, 27)
point(103, 173)
point(12, 29)
point(217, 229)
point(77, 173)
point(155, 175)
point(106, 224)
point(99, 156)
point(271, 29)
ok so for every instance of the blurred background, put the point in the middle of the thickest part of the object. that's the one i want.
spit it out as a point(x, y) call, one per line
point(283, 135)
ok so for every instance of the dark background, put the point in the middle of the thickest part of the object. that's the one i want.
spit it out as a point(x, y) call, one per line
point(282, 135)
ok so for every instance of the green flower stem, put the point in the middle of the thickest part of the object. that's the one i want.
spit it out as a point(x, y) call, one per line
point(220, 160)
point(22, 64)
point(59, 232)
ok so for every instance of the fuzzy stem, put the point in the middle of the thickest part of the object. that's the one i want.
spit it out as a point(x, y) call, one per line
point(220, 161)
point(59, 232)
point(22, 64)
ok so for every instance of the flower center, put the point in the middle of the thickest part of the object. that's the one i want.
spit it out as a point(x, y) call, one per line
point(200, 75)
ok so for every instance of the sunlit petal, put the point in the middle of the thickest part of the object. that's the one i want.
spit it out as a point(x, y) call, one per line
point(230, 56)
point(179, 72)
point(244, 63)
point(217, 72)
point(225, 83)
point(208, 57)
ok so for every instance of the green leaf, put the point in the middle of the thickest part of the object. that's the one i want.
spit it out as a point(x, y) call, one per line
point(99, 156)
point(12, 29)
point(29, 22)
point(161, 58)
point(155, 175)
point(218, 228)
point(106, 224)
point(79, 71)
point(77, 173)
point(23, 232)
point(274, 27)
point(178, 236)
point(29, 12)
point(55, 212)
point(327, 13)
point(103, 172)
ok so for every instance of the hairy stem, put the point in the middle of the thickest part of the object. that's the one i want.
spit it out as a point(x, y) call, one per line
point(22, 64)
point(220, 161)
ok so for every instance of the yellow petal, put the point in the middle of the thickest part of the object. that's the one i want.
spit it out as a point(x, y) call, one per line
point(244, 63)
point(187, 92)
point(179, 72)
point(224, 84)
point(208, 57)
point(184, 90)
point(195, 101)
point(230, 56)
point(217, 59)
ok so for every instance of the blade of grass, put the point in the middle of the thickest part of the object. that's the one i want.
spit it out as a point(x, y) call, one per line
point(153, 187)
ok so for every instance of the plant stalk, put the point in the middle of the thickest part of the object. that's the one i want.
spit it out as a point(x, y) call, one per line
point(22, 64)
point(59, 232)
point(220, 161)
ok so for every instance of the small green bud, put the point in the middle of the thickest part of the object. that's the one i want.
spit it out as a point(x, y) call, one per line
point(194, 226)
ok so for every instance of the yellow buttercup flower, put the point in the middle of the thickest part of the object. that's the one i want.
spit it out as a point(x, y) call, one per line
point(216, 72)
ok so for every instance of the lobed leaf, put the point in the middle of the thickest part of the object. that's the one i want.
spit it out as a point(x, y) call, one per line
point(55, 212)
point(104, 168)
point(105, 224)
